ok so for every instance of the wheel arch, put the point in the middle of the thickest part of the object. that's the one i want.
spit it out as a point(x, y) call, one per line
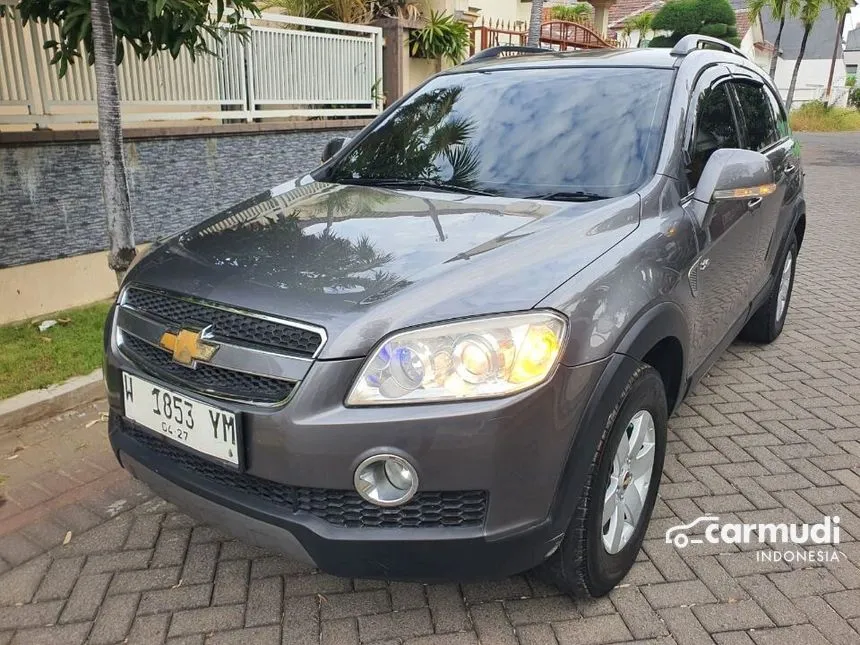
point(660, 338)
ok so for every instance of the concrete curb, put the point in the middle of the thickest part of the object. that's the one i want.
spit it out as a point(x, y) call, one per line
point(31, 406)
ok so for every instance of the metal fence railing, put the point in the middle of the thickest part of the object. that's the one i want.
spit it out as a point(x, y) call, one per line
point(288, 66)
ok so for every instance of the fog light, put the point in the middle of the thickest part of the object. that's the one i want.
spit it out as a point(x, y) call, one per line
point(386, 480)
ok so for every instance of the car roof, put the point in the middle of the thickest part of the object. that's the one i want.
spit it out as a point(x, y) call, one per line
point(609, 57)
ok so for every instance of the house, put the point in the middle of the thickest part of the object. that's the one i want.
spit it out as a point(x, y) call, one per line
point(852, 52)
point(815, 67)
point(757, 39)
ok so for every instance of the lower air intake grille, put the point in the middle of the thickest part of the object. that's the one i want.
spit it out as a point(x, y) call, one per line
point(340, 507)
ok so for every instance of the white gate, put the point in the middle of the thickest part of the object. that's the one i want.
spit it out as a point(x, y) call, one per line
point(288, 66)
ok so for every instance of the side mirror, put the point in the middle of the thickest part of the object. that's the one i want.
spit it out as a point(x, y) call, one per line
point(732, 173)
point(333, 147)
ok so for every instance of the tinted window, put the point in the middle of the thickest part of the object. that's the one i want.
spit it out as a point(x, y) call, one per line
point(778, 114)
point(715, 129)
point(522, 133)
point(758, 116)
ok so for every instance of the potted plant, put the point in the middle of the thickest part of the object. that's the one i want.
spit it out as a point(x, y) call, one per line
point(441, 36)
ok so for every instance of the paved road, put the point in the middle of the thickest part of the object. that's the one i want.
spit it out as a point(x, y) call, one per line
point(770, 435)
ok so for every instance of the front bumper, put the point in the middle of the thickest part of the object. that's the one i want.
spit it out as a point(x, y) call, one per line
point(511, 450)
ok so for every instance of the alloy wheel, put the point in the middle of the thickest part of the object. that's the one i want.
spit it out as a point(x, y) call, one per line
point(784, 286)
point(632, 466)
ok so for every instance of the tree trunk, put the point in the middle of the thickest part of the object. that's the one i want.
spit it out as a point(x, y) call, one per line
point(790, 97)
point(775, 56)
point(114, 183)
point(836, 42)
point(535, 22)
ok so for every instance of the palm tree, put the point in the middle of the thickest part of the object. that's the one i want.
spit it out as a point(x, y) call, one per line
point(779, 10)
point(640, 22)
point(842, 8)
point(577, 12)
point(422, 133)
point(277, 249)
point(535, 22)
point(809, 12)
point(120, 226)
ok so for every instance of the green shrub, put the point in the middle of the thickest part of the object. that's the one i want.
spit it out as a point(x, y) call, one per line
point(663, 41)
point(717, 30)
point(714, 18)
point(817, 116)
point(850, 81)
point(678, 16)
point(854, 97)
point(579, 12)
point(716, 11)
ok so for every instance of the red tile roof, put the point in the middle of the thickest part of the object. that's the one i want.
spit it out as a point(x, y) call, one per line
point(743, 22)
point(623, 9)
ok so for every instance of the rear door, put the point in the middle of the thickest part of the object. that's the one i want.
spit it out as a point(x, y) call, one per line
point(725, 270)
point(764, 131)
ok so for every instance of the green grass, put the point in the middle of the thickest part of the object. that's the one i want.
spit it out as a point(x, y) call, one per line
point(30, 359)
point(815, 116)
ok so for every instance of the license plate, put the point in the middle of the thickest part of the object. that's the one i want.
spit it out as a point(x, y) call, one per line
point(189, 422)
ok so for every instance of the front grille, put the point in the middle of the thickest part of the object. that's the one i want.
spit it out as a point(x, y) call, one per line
point(340, 507)
point(212, 380)
point(224, 323)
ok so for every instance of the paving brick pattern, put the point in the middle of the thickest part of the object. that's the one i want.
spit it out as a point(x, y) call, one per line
point(770, 435)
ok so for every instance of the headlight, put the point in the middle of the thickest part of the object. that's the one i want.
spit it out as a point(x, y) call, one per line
point(473, 359)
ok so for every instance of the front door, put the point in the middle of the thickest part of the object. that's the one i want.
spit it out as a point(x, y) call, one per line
point(765, 132)
point(724, 273)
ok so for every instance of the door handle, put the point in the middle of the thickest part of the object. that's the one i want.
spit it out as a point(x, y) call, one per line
point(789, 168)
point(754, 203)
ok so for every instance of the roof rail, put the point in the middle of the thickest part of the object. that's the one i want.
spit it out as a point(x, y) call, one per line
point(501, 50)
point(696, 41)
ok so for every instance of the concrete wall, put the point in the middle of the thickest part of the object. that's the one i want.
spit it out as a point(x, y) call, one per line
point(853, 57)
point(52, 221)
point(811, 79)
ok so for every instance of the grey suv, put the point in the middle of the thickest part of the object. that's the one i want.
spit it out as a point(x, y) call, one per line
point(451, 351)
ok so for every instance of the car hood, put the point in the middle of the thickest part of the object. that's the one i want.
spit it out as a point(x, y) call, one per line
point(364, 261)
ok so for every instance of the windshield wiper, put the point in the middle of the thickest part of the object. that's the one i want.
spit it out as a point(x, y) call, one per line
point(570, 196)
point(416, 183)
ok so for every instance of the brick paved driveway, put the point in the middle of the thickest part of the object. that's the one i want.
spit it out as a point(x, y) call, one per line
point(770, 435)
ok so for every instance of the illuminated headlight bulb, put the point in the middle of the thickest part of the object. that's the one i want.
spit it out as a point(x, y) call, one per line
point(538, 350)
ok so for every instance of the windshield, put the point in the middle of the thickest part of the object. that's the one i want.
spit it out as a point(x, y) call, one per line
point(558, 133)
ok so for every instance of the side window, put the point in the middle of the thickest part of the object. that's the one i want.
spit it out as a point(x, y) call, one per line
point(778, 114)
point(715, 129)
point(758, 116)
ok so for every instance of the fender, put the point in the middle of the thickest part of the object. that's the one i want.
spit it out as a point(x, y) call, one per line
point(799, 213)
point(585, 446)
point(660, 321)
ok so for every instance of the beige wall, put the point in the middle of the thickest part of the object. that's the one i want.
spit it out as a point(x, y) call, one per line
point(419, 70)
point(505, 10)
point(34, 290)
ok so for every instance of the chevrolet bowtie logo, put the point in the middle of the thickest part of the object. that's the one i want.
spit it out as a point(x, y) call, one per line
point(187, 347)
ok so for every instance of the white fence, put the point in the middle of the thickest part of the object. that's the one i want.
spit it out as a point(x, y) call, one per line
point(287, 67)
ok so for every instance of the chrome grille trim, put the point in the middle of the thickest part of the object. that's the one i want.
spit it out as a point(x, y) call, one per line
point(253, 359)
point(229, 355)
point(285, 322)
point(150, 369)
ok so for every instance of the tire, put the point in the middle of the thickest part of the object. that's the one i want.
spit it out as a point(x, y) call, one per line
point(583, 564)
point(767, 322)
